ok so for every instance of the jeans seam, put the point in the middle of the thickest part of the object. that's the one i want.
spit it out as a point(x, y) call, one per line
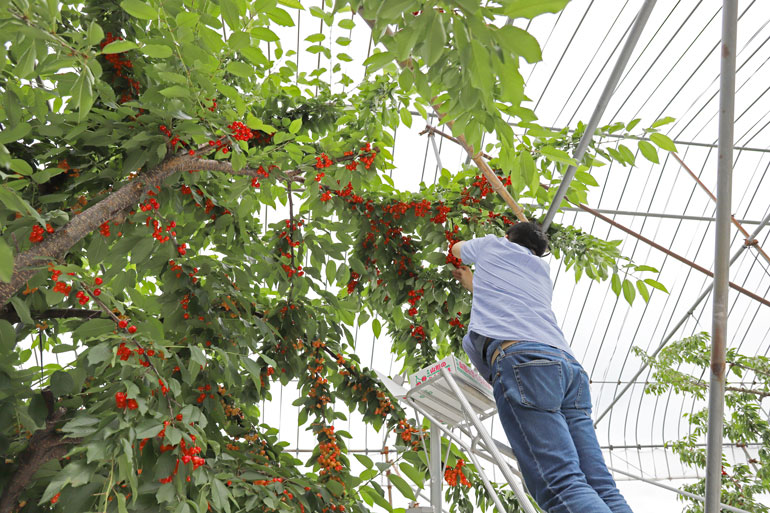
point(534, 458)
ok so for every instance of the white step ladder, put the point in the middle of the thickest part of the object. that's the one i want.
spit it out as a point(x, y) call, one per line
point(452, 396)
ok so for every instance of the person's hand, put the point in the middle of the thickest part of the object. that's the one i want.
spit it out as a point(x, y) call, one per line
point(464, 275)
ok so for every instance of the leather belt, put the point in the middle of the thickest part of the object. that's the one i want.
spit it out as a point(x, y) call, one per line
point(507, 343)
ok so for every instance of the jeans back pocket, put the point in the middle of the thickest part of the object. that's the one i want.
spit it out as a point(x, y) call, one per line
point(541, 384)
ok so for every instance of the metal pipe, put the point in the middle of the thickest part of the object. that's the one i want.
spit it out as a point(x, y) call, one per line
point(736, 222)
point(715, 434)
point(459, 441)
point(604, 99)
point(671, 333)
point(677, 490)
point(490, 444)
point(677, 256)
point(435, 467)
point(485, 480)
point(653, 214)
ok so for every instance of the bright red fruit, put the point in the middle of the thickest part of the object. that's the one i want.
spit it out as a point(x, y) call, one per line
point(98, 281)
point(97, 292)
point(122, 324)
point(132, 329)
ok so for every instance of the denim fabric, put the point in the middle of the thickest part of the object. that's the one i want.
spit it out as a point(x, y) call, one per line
point(544, 403)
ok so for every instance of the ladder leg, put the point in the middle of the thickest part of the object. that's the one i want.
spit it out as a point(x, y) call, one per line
point(435, 467)
point(524, 502)
point(491, 491)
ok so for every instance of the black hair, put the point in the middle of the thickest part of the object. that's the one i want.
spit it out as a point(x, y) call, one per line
point(530, 235)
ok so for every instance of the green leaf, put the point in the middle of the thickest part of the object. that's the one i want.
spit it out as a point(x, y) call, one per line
point(377, 61)
point(335, 488)
point(139, 9)
point(557, 155)
point(662, 121)
point(22, 309)
point(175, 91)
point(366, 461)
point(433, 47)
point(82, 94)
point(402, 486)
point(231, 13)
point(167, 493)
point(376, 327)
point(663, 142)
point(520, 42)
point(62, 383)
point(586, 178)
point(412, 473)
point(6, 261)
point(157, 51)
point(148, 429)
point(240, 69)
point(295, 125)
point(406, 116)
point(616, 284)
point(120, 47)
point(16, 133)
point(643, 291)
point(656, 285)
point(628, 291)
point(375, 496)
point(649, 151)
point(7, 337)
point(530, 9)
point(26, 63)
point(264, 34)
point(94, 328)
point(294, 4)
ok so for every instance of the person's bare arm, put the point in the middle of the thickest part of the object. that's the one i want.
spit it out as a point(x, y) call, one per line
point(464, 275)
point(456, 248)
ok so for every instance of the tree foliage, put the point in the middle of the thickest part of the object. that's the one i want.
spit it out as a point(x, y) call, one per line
point(680, 367)
point(140, 143)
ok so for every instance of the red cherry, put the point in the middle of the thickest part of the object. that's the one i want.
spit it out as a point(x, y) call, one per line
point(97, 292)
point(132, 329)
point(179, 417)
point(98, 281)
point(122, 324)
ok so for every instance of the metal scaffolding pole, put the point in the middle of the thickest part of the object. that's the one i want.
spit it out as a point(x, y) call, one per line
point(604, 99)
point(435, 467)
point(636, 213)
point(721, 259)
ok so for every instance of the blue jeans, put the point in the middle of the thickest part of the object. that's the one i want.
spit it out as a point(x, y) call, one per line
point(544, 403)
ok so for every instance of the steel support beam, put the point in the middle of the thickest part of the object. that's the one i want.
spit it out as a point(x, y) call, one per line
point(724, 507)
point(635, 213)
point(715, 433)
point(604, 99)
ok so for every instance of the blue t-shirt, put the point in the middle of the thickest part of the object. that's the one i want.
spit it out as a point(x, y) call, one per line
point(512, 292)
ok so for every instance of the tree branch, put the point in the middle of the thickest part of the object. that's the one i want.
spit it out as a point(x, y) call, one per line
point(11, 316)
point(44, 445)
point(57, 245)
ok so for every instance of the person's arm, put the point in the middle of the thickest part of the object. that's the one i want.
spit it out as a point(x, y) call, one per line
point(464, 275)
point(456, 248)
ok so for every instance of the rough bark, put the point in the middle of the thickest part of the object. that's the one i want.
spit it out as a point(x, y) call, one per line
point(54, 247)
point(44, 445)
